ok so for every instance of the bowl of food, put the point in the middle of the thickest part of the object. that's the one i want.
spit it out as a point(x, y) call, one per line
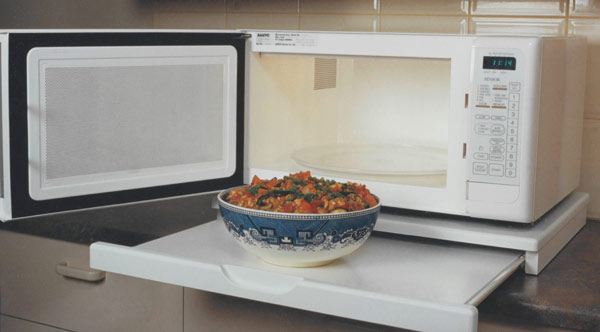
point(300, 220)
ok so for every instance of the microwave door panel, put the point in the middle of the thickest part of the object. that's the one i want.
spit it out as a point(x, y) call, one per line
point(108, 119)
point(5, 199)
point(114, 117)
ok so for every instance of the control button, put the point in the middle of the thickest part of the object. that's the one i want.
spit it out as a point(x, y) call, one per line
point(497, 130)
point(511, 148)
point(480, 168)
point(496, 169)
point(498, 118)
point(482, 117)
point(512, 130)
point(513, 97)
point(482, 128)
point(511, 156)
point(514, 86)
point(497, 149)
point(496, 157)
point(511, 164)
point(513, 122)
point(513, 114)
point(512, 139)
point(496, 141)
point(480, 156)
point(511, 173)
point(513, 105)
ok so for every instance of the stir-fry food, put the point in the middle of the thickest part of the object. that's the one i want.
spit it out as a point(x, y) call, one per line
point(302, 193)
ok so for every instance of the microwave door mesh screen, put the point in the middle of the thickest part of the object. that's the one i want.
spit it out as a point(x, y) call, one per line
point(100, 120)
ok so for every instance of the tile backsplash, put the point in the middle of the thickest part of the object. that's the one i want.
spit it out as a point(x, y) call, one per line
point(539, 17)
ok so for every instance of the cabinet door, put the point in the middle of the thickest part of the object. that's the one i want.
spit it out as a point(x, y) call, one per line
point(31, 289)
point(12, 324)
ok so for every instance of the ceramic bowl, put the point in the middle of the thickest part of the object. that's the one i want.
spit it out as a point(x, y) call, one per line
point(297, 240)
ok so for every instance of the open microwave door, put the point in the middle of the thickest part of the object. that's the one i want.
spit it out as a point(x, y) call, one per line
point(110, 118)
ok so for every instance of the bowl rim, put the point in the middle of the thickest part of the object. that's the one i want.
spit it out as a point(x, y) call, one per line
point(293, 216)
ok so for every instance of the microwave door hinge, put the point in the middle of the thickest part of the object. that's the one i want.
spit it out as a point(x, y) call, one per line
point(243, 36)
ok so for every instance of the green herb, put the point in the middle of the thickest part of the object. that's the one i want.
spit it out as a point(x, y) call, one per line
point(366, 205)
point(294, 180)
point(254, 190)
point(260, 200)
point(280, 192)
point(308, 197)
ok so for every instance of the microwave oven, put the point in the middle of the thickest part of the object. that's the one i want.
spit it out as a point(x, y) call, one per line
point(480, 126)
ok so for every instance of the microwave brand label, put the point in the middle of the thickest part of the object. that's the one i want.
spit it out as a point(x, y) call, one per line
point(286, 39)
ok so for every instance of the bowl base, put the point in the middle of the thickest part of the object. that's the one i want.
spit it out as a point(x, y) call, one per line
point(297, 264)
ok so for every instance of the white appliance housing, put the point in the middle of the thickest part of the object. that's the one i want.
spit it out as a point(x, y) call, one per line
point(82, 109)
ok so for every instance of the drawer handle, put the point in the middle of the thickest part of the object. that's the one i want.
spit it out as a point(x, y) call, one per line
point(64, 269)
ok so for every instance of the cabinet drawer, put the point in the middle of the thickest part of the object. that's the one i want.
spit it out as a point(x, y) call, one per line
point(11, 324)
point(31, 288)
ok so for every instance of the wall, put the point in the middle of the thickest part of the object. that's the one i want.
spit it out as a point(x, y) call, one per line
point(546, 17)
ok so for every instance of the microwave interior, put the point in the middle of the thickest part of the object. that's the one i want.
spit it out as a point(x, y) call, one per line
point(381, 119)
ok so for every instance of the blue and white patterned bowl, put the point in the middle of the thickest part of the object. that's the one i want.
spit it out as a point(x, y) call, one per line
point(298, 240)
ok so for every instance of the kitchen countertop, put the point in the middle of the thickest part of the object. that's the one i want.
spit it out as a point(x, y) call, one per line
point(565, 295)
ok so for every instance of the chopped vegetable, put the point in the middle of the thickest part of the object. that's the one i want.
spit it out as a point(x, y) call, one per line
point(302, 193)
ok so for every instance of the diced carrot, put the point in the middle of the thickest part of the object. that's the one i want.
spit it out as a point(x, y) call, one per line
point(255, 180)
point(261, 192)
point(288, 207)
point(370, 200)
point(305, 207)
point(271, 183)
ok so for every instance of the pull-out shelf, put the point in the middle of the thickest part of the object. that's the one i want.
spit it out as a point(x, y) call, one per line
point(391, 280)
point(394, 280)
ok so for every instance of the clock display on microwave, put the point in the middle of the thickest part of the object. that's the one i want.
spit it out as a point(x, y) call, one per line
point(499, 62)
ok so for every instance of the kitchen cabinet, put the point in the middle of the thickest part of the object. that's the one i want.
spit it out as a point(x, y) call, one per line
point(33, 290)
point(11, 324)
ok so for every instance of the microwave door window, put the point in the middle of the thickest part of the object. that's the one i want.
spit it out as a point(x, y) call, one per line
point(361, 118)
point(128, 118)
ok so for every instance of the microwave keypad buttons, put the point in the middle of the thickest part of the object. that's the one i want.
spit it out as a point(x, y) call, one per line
point(497, 141)
point(494, 115)
point(496, 169)
point(497, 130)
point(480, 168)
point(480, 156)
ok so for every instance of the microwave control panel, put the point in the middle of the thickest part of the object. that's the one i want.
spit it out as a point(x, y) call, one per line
point(494, 107)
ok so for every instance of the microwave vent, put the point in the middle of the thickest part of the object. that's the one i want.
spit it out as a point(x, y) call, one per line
point(325, 73)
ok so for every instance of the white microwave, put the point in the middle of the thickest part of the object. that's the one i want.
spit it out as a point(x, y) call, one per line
point(480, 126)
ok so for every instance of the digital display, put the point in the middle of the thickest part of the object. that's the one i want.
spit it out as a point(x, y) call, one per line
point(499, 62)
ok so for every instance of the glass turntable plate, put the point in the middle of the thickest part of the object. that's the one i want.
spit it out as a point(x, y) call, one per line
point(403, 160)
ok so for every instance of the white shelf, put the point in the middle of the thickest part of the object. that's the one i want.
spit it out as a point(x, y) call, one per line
point(392, 279)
